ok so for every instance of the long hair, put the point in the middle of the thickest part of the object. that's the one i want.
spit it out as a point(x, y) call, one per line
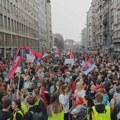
point(62, 89)
point(25, 92)
point(57, 106)
point(37, 95)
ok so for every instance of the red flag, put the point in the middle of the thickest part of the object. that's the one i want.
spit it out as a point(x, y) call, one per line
point(15, 65)
point(72, 55)
point(37, 54)
point(43, 96)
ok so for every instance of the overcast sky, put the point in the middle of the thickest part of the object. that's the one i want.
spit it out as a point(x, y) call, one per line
point(69, 17)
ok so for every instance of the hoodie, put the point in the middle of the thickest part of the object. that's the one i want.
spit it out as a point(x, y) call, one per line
point(100, 108)
point(101, 112)
point(5, 115)
point(28, 115)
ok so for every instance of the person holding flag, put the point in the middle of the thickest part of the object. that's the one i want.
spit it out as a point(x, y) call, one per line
point(29, 54)
point(16, 65)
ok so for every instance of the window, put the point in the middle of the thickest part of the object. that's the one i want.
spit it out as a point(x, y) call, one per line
point(4, 3)
point(15, 26)
point(8, 4)
point(5, 22)
point(9, 23)
point(0, 2)
point(12, 25)
point(1, 21)
point(20, 26)
point(14, 9)
point(11, 7)
point(24, 29)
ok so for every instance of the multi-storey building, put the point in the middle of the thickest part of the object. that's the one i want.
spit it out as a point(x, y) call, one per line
point(103, 29)
point(22, 22)
point(58, 41)
point(49, 24)
point(18, 25)
point(69, 43)
point(95, 25)
point(116, 30)
point(84, 36)
point(108, 22)
point(98, 23)
point(91, 27)
point(42, 25)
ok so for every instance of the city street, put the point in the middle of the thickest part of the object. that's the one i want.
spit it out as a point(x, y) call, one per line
point(59, 60)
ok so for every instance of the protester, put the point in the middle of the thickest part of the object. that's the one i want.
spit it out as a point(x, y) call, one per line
point(64, 100)
point(100, 110)
point(79, 92)
point(30, 88)
point(34, 112)
point(17, 113)
point(55, 110)
point(52, 88)
point(5, 113)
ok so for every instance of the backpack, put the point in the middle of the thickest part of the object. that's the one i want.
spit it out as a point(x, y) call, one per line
point(80, 111)
point(117, 110)
point(38, 116)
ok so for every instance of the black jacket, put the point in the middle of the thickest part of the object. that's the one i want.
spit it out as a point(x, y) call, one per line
point(100, 108)
point(5, 115)
point(28, 115)
point(18, 115)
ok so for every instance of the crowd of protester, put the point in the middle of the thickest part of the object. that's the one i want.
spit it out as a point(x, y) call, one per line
point(52, 90)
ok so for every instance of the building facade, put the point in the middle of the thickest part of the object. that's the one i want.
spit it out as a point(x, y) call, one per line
point(18, 25)
point(42, 18)
point(95, 25)
point(58, 41)
point(49, 24)
point(108, 22)
point(98, 23)
point(22, 22)
point(90, 27)
point(105, 25)
point(84, 38)
point(116, 30)
point(69, 43)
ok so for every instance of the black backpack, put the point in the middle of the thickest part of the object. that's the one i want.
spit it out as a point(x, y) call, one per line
point(38, 116)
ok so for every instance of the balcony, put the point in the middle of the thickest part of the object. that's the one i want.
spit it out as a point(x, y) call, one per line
point(105, 21)
point(117, 49)
point(118, 5)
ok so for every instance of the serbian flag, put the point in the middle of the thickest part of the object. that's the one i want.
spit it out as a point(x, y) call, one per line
point(16, 65)
point(29, 54)
point(38, 56)
point(88, 66)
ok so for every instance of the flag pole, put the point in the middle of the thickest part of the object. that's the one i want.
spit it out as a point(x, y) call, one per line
point(18, 86)
point(18, 79)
